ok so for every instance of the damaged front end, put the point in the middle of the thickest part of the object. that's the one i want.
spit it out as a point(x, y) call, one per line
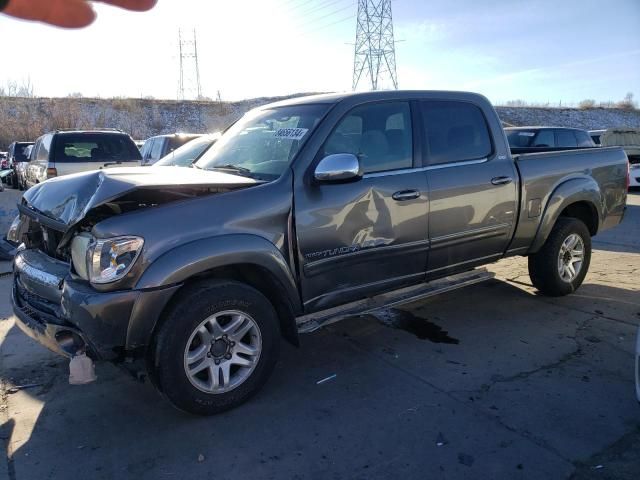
point(61, 270)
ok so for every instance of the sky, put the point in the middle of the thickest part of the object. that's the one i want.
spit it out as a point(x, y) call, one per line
point(535, 50)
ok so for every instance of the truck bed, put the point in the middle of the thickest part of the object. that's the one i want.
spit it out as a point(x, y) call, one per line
point(604, 169)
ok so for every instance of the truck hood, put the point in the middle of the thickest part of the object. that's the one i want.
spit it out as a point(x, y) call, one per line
point(68, 199)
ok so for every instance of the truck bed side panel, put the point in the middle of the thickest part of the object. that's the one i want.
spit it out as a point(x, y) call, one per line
point(597, 175)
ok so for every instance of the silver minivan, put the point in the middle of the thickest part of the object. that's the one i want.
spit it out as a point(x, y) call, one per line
point(63, 152)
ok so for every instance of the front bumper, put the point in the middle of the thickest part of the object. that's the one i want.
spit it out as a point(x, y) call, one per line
point(66, 315)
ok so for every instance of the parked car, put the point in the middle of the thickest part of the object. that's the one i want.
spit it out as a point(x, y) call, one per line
point(540, 139)
point(71, 151)
point(595, 136)
point(189, 153)
point(5, 168)
point(304, 212)
point(159, 146)
point(629, 140)
point(18, 156)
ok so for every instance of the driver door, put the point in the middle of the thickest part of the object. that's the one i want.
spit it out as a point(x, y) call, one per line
point(369, 234)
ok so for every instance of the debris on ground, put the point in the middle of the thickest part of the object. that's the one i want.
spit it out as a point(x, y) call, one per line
point(81, 370)
point(440, 440)
point(330, 377)
point(200, 458)
point(17, 388)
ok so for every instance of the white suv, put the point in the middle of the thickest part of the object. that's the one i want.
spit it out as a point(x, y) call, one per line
point(71, 151)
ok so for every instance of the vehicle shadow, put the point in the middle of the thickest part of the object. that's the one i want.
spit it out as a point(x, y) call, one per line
point(617, 239)
point(379, 416)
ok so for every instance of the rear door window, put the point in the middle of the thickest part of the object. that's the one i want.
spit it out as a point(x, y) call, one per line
point(566, 138)
point(455, 132)
point(95, 147)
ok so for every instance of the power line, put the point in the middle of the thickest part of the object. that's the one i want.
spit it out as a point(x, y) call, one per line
point(322, 27)
point(375, 53)
point(330, 14)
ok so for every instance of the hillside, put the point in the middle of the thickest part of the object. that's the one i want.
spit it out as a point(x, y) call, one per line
point(27, 118)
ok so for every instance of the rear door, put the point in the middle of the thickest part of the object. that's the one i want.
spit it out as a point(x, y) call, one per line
point(473, 190)
point(365, 236)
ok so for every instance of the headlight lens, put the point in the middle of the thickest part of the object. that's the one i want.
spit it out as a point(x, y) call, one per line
point(111, 259)
point(13, 234)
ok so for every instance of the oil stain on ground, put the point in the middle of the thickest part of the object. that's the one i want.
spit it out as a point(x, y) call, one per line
point(420, 327)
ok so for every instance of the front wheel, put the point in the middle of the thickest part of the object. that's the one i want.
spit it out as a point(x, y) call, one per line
point(562, 263)
point(216, 347)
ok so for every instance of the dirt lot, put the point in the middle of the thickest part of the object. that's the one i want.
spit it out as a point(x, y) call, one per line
point(489, 382)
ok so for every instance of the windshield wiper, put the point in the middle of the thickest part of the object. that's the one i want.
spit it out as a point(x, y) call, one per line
point(234, 168)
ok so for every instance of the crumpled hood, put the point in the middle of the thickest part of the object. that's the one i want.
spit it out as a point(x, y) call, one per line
point(68, 199)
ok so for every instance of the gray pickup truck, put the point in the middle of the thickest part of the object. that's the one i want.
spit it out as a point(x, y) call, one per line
point(304, 212)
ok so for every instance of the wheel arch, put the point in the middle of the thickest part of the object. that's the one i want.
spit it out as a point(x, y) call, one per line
point(245, 258)
point(578, 198)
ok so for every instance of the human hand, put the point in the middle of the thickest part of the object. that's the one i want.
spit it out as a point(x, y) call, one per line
point(67, 13)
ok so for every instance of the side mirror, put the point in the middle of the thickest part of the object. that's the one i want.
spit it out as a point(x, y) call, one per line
point(339, 167)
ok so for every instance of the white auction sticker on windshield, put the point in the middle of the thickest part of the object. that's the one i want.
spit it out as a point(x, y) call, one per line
point(527, 134)
point(291, 133)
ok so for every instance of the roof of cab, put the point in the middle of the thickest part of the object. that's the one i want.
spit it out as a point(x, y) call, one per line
point(332, 98)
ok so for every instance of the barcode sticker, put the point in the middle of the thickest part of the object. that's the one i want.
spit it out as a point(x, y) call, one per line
point(291, 133)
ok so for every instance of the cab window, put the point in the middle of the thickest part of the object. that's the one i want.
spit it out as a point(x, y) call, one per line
point(378, 134)
point(455, 131)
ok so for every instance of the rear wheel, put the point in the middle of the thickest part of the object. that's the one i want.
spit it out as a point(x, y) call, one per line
point(216, 347)
point(562, 263)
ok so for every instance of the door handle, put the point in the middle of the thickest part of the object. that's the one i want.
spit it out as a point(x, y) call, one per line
point(404, 195)
point(501, 180)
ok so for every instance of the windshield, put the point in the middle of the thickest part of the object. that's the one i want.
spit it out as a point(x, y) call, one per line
point(188, 153)
point(263, 142)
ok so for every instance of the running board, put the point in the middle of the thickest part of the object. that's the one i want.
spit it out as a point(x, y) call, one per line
point(313, 321)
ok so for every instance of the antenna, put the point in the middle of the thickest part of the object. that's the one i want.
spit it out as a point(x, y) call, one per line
point(189, 87)
point(375, 53)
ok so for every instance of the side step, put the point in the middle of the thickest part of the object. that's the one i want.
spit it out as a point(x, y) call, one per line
point(313, 321)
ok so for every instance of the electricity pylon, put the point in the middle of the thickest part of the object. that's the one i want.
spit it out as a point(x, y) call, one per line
point(375, 53)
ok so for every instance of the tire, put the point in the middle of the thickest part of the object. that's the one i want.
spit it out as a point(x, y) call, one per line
point(214, 306)
point(545, 265)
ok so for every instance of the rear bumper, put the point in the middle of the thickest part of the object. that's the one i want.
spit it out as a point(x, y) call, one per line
point(65, 314)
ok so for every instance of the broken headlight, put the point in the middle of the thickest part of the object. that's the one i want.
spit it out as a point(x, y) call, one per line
point(107, 259)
